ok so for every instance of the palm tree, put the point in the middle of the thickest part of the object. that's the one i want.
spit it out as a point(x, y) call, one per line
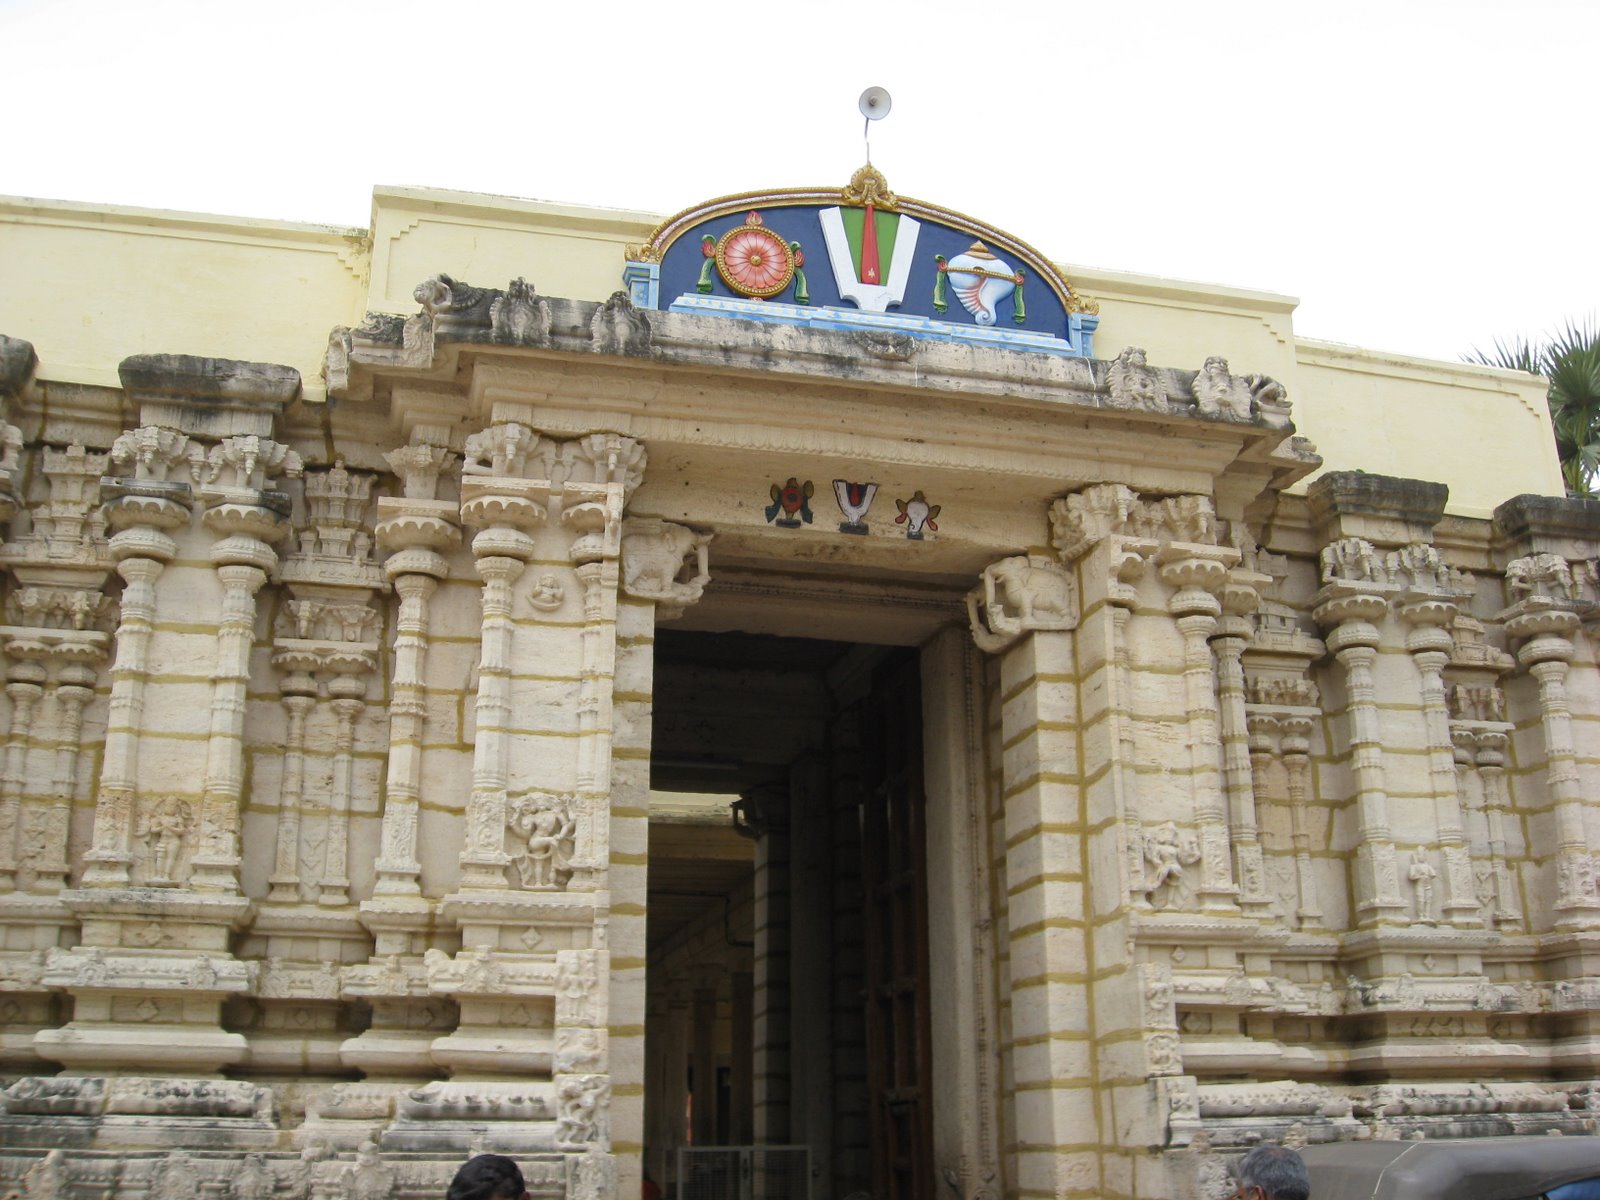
point(1571, 362)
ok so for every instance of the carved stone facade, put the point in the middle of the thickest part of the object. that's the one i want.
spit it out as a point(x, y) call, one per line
point(1254, 808)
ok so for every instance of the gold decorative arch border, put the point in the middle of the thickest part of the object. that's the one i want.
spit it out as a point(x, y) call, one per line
point(867, 184)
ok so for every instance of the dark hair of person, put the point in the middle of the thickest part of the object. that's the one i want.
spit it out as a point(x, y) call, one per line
point(487, 1177)
point(1277, 1171)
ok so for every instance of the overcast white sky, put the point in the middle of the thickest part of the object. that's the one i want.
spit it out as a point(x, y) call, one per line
point(1419, 173)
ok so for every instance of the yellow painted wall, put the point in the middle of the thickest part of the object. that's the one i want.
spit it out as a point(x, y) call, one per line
point(1483, 431)
point(89, 285)
point(488, 241)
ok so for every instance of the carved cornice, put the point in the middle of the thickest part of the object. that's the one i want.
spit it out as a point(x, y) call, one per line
point(1383, 509)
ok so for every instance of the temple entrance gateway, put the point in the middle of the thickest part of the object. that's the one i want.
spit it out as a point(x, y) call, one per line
point(788, 985)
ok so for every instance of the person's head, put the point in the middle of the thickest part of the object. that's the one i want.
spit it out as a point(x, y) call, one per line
point(1272, 1173)
point(488, 1177)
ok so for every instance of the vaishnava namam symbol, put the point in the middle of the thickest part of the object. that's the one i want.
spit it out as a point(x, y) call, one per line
point(854, 501)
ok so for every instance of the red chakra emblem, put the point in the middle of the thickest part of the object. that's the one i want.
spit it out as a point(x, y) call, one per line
point(753, 260)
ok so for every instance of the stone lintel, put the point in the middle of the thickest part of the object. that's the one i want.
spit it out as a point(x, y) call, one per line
point(216, 397)
point(1560, 525)
point(17, 365)
point(1382, 509)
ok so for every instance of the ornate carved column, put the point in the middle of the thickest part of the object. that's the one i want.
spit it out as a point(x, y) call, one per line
point(1428, 613)
point(504, 507)
point(1196, 573)
point(1349, 605)
point(247, 516)
point(25, 679)
point(1239, 595)
point(156, 961)
point(299, 689)
point(416, 529)
point(76, 676)
point(1281, 710)
point(326, 647)
point(1545, 625)
point(142, 505)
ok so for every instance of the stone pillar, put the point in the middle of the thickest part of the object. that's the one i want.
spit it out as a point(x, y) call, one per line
point(771, 961)
point(1351, 615)
point(504, 511)
point(76, 677)
point(1490, 759)
point(248, 518)
point(25, 678)
point(155, 961)
point(416, 530)
point(299, 689)
point(1025, 610)
point(703, 1065)
point(1430, 645)
point(1196, 575)
point(1239, 595)
point(142, 510)
point(1546, 653)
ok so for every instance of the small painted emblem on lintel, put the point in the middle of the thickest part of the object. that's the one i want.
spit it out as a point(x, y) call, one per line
point(793, 501)
point(916, 514)
point(854, 501)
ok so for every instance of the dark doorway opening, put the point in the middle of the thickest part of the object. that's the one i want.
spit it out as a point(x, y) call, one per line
point(787, 910)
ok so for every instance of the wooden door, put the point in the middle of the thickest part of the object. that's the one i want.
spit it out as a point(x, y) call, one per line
point(895, 933)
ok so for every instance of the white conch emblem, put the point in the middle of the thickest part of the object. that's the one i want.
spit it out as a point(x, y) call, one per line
point(981, 281)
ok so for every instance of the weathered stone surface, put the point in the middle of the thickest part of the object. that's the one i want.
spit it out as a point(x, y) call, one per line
point(17, 364)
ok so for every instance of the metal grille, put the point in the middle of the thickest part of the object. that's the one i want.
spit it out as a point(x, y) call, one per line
point(744, 1173)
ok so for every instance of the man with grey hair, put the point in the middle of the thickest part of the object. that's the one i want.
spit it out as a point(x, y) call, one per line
point(1271, 1173)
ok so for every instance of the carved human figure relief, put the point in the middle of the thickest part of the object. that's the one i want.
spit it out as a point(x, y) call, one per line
point(1422, 874)
point(368, 1178)
point(578, 981)
point(1167, 852)
point(164, 830)
point(544, 825)
point(46, 1179)
point(582, 1102)
point(547, 593)
point(254, 1180)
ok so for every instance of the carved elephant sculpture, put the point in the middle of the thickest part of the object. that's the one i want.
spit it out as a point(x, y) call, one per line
point(653, 554)
point(1031, 590)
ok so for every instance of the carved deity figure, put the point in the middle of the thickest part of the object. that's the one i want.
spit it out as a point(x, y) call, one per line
point(547, 593)
point(1132, 382)
point(163, 829)
point(546, 825)
point(255, 1180)
point(1167, 853)
point(368, 1178)
point(579, 1100)
point(1422, 874)
point(46, 1179)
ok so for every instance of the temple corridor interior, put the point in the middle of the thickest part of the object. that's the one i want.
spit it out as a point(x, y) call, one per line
point(787, 908)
